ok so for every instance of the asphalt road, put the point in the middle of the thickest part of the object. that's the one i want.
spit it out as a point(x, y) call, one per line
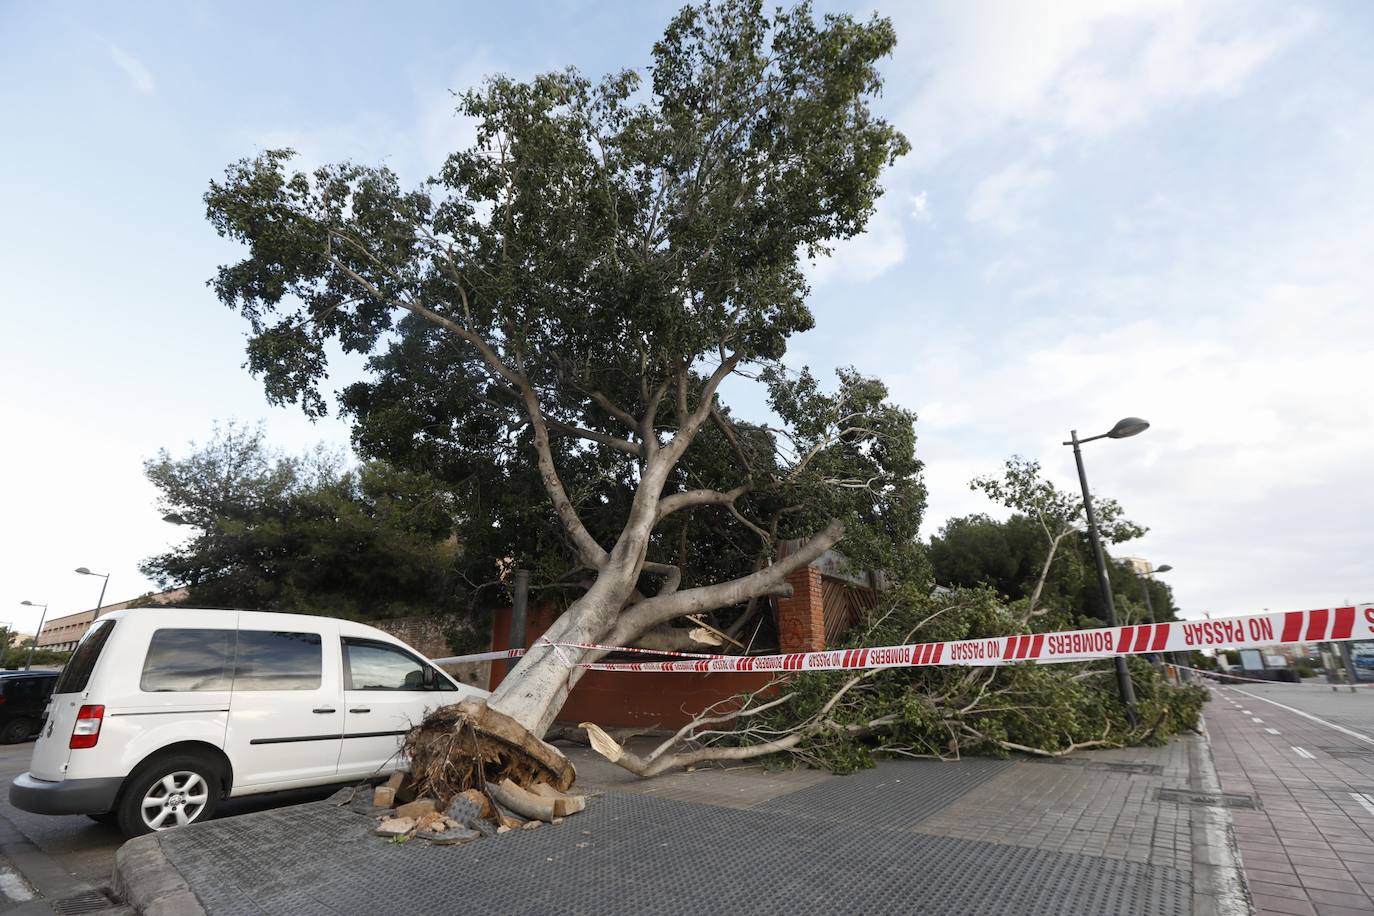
point(81, 848)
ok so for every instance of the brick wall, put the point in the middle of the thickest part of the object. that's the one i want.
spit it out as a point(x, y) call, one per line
point(428, 636)
point(801, 615)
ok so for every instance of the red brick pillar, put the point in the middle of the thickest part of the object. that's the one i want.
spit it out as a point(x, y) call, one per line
point(801, 617)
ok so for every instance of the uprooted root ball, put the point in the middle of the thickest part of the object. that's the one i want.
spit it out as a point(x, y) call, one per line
point(469, 745)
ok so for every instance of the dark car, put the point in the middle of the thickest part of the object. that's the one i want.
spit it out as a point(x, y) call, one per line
point(23, 697)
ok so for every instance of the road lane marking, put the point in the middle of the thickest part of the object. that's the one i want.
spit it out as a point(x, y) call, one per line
point(14, 886)
point(1272, 731)
point(1303, 752)
point(1307, 715)
point(1257, 720)
point(1366, 800)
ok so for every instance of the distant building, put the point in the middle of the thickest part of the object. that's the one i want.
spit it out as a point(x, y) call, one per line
point(63, 633)
point(1139, 565)
point(18, 639)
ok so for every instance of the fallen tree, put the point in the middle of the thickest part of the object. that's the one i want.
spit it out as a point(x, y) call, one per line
point(841, 720)
point(562, 303)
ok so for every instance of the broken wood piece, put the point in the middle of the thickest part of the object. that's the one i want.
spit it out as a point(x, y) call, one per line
point(534, 806)
point(696, 619)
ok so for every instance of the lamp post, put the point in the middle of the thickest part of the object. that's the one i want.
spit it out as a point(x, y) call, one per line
point(1145, 588)
point(100, 602)
point(37, 633)
point(1130, 426)
point(1149, 605)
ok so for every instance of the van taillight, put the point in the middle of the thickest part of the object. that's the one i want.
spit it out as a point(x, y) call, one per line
point(86, 731)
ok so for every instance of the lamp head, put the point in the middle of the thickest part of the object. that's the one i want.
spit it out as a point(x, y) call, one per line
point(84, 571)
point(1130, 426)
point(1165, 568)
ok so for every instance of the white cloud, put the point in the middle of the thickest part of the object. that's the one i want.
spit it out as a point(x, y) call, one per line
point(1070, 67)
point(1001, 199)
point(920, 207)
point(1257, 460)
point(134, 69)
point(881, 247)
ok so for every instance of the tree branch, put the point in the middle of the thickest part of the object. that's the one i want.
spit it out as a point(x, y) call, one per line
point(690, 498)
point(622, 445)
point(652, 611)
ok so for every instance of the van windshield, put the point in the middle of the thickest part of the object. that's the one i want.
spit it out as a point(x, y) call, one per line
point(79, 667)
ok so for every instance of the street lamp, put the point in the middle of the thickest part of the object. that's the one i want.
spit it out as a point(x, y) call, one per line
point(1130, 426)
point(1145, 587)
point(37, 633)
point(106, 576)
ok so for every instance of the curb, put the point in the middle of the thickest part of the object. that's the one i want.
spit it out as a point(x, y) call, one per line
point(148, 883)
point(1219, 887)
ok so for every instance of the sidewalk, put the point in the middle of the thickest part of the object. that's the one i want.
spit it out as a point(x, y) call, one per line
point(1090, 835)
point(1309, 846)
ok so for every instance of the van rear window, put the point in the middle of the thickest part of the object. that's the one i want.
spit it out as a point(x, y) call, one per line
point(189, 659)
point(77, 674)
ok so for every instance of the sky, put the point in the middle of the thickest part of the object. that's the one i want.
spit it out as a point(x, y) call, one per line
point(1148, 208)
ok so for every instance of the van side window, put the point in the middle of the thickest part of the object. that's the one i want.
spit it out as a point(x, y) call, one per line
point(189, 659)
point(274, 660)
point(378, 666)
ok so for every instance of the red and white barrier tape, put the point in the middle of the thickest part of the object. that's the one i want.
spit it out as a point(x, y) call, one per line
point(516, 653)
point(479, 657)
point(1224, 677)
point(1251, 631)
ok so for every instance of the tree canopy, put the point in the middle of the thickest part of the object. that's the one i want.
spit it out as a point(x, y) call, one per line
point(560, 304)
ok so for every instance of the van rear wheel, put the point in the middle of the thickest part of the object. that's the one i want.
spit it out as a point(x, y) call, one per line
point(171, 792)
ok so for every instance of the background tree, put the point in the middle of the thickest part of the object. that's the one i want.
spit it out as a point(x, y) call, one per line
point(575, 288)
point(1041, 554)
point(305, 534)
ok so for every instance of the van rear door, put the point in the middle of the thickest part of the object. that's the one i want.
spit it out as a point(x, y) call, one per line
point(53, 749)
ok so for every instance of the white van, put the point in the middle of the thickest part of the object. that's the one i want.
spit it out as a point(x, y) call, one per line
point(160, 713)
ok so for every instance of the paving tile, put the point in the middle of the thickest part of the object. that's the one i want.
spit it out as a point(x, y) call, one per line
point(1332, 909)
point(1265, 904)
point(1287, 878)
point(1264, 888)
point(1355, 900)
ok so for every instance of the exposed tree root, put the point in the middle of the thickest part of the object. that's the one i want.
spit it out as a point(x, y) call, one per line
point(471, 746)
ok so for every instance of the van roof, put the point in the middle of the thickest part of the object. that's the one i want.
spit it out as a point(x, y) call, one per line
point(346, 627)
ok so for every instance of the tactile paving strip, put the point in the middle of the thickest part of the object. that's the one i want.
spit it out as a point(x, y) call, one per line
point(896, 794)
point(636, 854)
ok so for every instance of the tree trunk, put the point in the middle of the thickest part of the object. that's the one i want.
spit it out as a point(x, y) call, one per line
point(534, 691)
